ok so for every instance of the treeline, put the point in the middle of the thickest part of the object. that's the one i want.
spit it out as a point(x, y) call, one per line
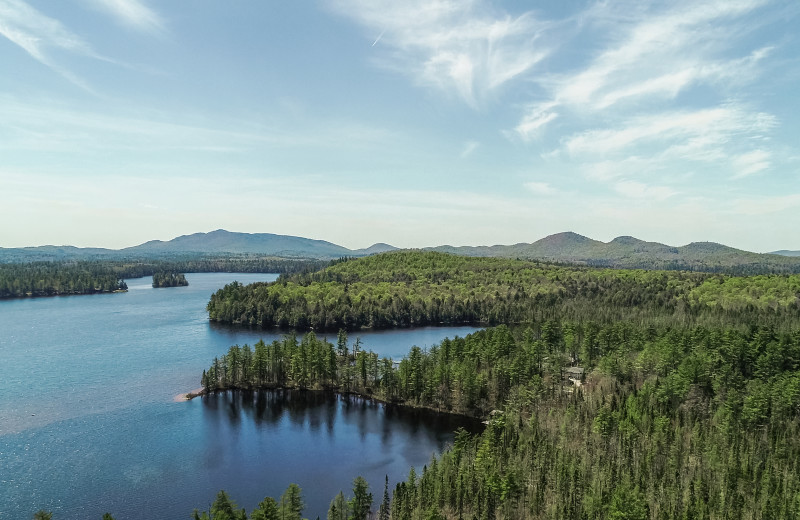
point(54, 279)
point(745, 264)
point(669, 423)
point(411, 288)
point(88, 277)
point(290, 506)
point(169, 279)
point(218, 264)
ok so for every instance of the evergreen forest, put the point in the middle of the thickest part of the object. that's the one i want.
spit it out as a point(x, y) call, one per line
point(412, 288)
point(169, 279)
point(60, 278)
point(606, 393)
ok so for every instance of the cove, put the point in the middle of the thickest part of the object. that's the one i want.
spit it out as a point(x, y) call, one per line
point(88, 424)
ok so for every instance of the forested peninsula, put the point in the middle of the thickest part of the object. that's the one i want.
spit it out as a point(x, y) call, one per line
point(607, 393)
point(412, 288)
point(68, 277)
point(56, 279)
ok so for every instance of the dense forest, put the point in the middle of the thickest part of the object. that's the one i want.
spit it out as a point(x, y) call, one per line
point(607, 393)
point(169, 279)
point(51, 279)
point(88, 277)
point(404, 289)
point(668, 422)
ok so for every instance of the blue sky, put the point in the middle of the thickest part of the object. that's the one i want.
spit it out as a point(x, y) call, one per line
point(415, 123)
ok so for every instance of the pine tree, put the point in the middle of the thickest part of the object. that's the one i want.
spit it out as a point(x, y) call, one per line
point(292, 504)
point(338, 509)
point(385, 509)
point(267, 510)
point(361, 503)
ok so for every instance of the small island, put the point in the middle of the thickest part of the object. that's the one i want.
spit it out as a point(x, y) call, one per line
point(169, 279)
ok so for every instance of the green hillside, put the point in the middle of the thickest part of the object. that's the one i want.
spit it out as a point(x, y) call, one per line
point(413, 288)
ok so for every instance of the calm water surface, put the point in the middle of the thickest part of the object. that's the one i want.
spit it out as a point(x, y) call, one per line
point(88, 423)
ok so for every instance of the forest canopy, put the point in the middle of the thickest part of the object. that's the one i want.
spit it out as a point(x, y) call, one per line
point(607, 393)
point(412, 288)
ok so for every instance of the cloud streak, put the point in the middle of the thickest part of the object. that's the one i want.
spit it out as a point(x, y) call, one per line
point(660, 55)
point(39, 35)
point(661, 96)
point(469, 148)
point(697, 134)
point(133, 13)
point(458, 47)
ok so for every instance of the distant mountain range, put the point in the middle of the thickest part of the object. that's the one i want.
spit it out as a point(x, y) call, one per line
point(217, 242)
point(221, 241)
point(570, 248)
point(630, 252)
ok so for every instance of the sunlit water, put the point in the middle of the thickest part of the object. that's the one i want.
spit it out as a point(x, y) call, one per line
point(88, 423)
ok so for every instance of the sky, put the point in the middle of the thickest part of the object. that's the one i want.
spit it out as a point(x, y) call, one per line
point(416, 123)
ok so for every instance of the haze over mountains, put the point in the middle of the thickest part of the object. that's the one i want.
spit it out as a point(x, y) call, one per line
point(622, 252)
point(630, 252)
point(217, 242)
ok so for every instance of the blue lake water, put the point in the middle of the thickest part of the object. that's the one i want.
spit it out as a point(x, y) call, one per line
point(88, 423)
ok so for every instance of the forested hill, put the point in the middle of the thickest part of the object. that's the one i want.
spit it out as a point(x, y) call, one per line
point(631, 253)
point(413, 288)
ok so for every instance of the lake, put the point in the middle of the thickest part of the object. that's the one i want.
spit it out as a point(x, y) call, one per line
point(88, 423)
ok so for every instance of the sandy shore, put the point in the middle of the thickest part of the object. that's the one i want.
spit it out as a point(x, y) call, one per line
point(188, 395)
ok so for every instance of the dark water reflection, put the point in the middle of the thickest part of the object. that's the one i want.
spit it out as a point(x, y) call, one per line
point(318, 410)
point(337, 438)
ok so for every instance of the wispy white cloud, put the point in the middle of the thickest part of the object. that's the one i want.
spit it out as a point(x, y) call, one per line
point(650, 54)
point(133, 13)
point(469, 148)
point(535, 120)
point(726, 140)
point(750, 163)
point(660, 54)
point(607, 170)
point(461, 47)
point(689, 134)
point(39, 35)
